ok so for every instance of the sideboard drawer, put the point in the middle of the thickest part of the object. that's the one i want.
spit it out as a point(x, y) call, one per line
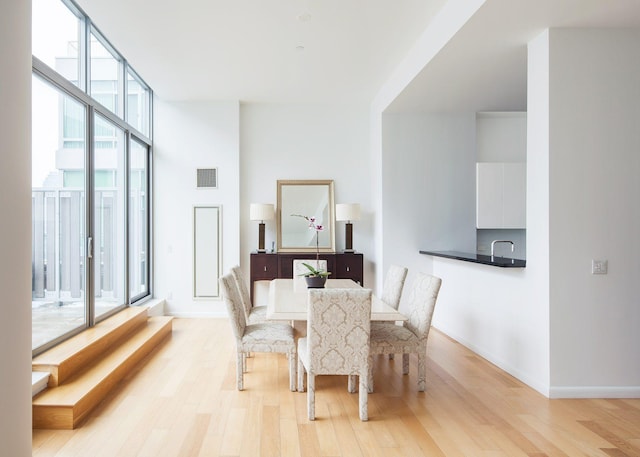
point(349, 266)
point(264, 266)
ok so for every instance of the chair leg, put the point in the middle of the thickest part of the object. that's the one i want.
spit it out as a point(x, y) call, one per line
point(351, 384)
point(292, 372)
point(362, 397)
point(300, 375)
point(239, 370)
point(311, 396)
point(422, 371)
point(405, 363)
point(370, 375)
point(244, 362)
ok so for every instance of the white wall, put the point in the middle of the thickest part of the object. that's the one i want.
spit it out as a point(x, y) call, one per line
point(429, 203)
point(498, 313)
point(502, 314)
point(253, 145)
point(15, 242)
point(428, 183)
point(501, 136)
point(280, 141)
point(553, 325)
point(594, 211)
point(188, 136)
point(449, 20)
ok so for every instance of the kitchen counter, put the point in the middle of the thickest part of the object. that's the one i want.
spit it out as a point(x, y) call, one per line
point(503, 262)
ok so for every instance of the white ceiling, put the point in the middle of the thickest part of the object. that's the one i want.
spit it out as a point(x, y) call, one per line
point(484, 67)
point(248, 50)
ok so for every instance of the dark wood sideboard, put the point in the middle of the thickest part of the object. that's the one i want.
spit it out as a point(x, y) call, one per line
point(268, 266)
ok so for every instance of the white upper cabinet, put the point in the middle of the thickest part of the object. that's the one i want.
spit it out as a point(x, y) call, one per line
point(489, 195)
point(514, 195)
point(501, 198)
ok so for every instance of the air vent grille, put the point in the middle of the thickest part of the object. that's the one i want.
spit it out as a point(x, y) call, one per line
point(207, 178)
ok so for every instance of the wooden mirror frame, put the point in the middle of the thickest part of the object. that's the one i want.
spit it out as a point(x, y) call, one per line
point(307, 198)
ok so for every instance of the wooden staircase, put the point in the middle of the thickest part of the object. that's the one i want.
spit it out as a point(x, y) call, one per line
point(86, 367)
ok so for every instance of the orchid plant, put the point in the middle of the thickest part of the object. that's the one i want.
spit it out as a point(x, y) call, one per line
point(317, 228)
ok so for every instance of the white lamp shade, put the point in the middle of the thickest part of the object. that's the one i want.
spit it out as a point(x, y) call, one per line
point(348, 212)
point(261, 211)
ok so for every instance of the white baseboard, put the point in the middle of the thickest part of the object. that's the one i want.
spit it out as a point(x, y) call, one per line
point(196, 315)
point(594, 392)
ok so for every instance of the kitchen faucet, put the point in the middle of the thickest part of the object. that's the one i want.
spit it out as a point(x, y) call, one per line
point(493, 243)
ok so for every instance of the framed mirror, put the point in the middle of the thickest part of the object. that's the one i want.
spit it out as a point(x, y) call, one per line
point(311, 198)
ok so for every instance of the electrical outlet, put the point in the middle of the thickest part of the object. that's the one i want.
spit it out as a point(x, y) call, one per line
point(599, 267)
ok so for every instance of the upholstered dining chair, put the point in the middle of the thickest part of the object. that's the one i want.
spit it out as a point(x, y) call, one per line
point(253, 314)
point(393, 285)
point(411, 337)
point(337, 341)
point(259, 337)
point(392, 289)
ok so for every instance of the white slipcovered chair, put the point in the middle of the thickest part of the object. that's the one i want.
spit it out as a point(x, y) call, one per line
point(392, 288)
point(412, 336)
point(253, 314)
point(337, 341)
point(259, 337)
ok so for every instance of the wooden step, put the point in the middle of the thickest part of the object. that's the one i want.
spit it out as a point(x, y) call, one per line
point(65, 406)
point(69, 357)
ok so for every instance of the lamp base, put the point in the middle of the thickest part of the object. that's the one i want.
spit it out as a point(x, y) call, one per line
point(348, 251)
point(261, 251)
point(261, 237)
point(348, 237)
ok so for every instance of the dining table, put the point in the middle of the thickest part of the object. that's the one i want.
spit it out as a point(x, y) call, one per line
point(288, 300)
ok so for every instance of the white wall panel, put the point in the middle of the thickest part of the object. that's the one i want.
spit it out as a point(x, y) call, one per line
point(594, 212)
point(206, 251)
point(15, 242)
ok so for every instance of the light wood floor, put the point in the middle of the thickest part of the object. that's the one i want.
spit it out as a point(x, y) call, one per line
point(183, 402)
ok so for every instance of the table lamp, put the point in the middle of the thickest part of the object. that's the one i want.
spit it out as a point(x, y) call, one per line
point(348, 212)
point(261, 212)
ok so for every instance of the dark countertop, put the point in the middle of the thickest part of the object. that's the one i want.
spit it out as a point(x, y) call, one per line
point(504, 262)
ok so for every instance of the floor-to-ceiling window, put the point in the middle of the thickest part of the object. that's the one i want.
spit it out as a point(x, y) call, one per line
point(58, 214)
point(109, 216)
point(138, 220)
point(90, 179)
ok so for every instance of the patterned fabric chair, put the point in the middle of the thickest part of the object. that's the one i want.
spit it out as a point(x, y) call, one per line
point(260, 337)
point(392, 289)
point(337, 341)
point(253, 314)
point(393, 284)
point(412, 336)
